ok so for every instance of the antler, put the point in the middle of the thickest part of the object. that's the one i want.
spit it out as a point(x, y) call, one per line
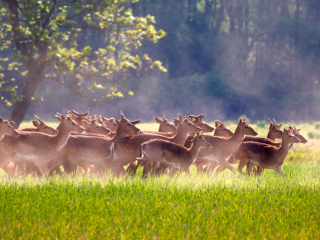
point(164, 117)
point(122, 113)
point(275, 121)
point(38, 119)
point(271, 121)
point(294, 125)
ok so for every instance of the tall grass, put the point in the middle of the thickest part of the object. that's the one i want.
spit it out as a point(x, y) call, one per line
point(184, 207)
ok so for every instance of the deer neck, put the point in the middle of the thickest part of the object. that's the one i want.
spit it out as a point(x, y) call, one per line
point(181, 136)
point(284, 148)
point(237, 137)
point(194, 150)
point(121, 132)
point(62, 137)
point(270, 136)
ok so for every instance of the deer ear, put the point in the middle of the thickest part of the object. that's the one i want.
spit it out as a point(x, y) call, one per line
point(280, 125)
point(202, 116)
point(180, 118)
point(1, 120)
point(157, 120)
point(240, 121)
point(116, 121)
point(35, 123)
point(135, 121)
point(216, 123)
point(12, 123)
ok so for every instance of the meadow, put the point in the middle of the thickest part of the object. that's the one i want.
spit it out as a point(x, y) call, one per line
point(226, 206)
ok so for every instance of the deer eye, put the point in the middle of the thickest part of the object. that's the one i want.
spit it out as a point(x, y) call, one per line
point(73, 123)
point(97, 127)
point(128, 124)
point(45, 127)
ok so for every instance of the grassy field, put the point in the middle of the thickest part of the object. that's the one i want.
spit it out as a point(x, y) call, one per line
point(185, 207)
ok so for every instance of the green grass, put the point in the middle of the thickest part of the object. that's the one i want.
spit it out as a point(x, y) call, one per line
point(185, 207)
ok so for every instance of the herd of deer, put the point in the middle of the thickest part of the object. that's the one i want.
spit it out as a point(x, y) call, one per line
point(84, 143)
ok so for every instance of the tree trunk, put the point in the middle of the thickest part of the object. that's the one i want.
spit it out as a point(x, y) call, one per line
point(28, 91)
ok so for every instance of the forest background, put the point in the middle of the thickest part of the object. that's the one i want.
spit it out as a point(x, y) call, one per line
point(224, 58)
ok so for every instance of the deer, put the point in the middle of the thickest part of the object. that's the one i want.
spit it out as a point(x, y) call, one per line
point(221, 130)
point(125, 151)
point(295, 132)
point(268, 156)
point(94, 127)
point(242, 157)
point(84, 150)
point(171, 154)
point(7, 129)
point(41, 127)
point(165, 125)
point(78, 117)
point(197, 120)
point(222, 148)
point(273, 134)
point(37, 147)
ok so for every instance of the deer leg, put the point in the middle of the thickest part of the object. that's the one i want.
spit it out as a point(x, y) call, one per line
point(211, 167)
point(147, 166)
point(220, 169)
point(43, 166)
point(132, 168)
point(223, 162)
point(173, 171)
point(279, 170)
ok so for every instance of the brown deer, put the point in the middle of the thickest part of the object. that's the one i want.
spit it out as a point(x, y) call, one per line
point(125, 151)
point(171, 154)
point(242, 157)
point(7, 129)
point(268, 156)
point(41, 127)
point(94, 127)
point(295, 132)
point(197, 120)
point(224, 147)
point(221, 130)
point(37, 147)
point(78, 117)
point(84, 150)
point(273, 133)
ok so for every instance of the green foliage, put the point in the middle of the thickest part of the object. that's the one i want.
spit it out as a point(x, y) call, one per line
point(261, 124)
point(317, 125)
point(58, 43)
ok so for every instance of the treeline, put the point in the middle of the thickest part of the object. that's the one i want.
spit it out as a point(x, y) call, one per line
point(225, 58)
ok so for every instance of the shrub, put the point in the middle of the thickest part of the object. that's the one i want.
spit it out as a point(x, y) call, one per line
point(317, 125)
point(311, 135)
point(261, 124)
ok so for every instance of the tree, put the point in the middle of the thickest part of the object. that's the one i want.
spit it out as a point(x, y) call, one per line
point(45, 37)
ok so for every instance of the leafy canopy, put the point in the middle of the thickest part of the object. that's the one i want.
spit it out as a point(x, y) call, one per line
point(85, 45)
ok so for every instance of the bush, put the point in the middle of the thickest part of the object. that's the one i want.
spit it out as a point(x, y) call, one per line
point(311, 135)
point(317, 125)
point(261, 124)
